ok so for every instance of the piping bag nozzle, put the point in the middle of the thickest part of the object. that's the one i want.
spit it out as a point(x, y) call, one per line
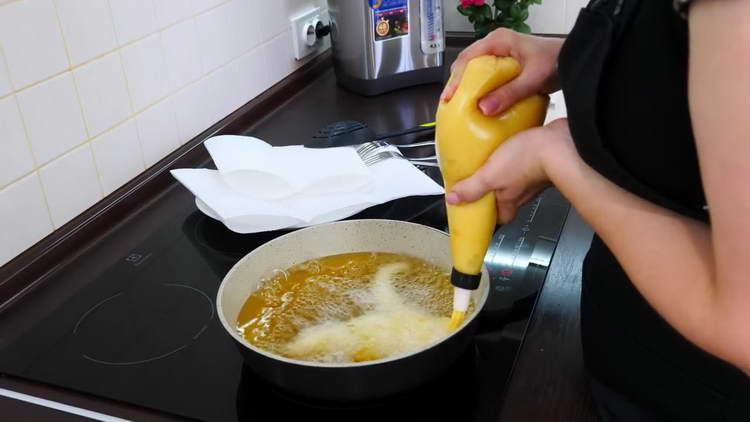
point(464, 285)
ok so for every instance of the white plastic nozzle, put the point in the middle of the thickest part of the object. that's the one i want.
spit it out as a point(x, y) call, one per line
point(461, 299)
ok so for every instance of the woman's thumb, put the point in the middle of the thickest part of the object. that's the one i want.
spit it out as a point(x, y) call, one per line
point(506, 96)
point(469, 190)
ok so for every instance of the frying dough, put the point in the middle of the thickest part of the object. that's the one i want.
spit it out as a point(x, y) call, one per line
point(392, 327)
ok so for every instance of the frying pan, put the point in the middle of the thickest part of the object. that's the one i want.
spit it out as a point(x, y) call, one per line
point(338, 382)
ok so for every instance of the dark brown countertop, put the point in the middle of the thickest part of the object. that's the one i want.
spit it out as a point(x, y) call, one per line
point(548, 381)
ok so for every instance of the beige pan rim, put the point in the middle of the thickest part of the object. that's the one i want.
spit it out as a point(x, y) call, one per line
point(479, 296)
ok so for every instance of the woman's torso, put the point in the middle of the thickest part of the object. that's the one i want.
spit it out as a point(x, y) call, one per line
point(624, 72)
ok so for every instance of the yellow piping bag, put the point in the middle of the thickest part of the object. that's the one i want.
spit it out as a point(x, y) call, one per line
point(465, 139)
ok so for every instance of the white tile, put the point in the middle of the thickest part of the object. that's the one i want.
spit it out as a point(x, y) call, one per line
point(279, 57)
point(274, 18)
point(247, 23)
point(157, 127)
point(5, 87)
point(454, 21)
point(53, 118)
point(146, 71)
point(556, 109)
point(24, 219)
point(296, 7)
point(71, 184)
point(202, 5)
point(104, 93)
point(226, 32)
point(252, 77)
point(190, 106)
point(171, 11)
point(572, 9)
point(118, 156)
point(225, 95)
point(182, 54)
point(548, 17)
point(231, 86)
point(15, 156)
point(133, 19)
point(216, 36)
point(87, 27)
point(32, 41)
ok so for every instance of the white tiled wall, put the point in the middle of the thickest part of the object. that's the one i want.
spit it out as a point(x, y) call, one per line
point(551, 17)
point(92, 92)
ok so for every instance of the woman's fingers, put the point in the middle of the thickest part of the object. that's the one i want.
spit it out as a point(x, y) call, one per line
point(450, 88)
point(501, 99)
point(498, 43)
point(458, 66)
point(506, 214)
point(470, 189)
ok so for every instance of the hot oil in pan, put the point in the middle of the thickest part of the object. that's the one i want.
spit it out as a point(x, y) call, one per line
point(350, 307)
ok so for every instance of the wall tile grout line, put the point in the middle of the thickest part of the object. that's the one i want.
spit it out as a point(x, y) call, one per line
point(137, 114)
point(118, 50)
point(96, 167)
point(19, 178)
point(44, 195)
point(168, 123)
point(7, 72)
point(72, 67)
point(73, 78)
point(133, 112)
point(131, 103)
point(26, 132)
point(114, 29)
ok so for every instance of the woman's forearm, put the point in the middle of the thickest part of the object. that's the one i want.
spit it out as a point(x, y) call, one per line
point(668, 257)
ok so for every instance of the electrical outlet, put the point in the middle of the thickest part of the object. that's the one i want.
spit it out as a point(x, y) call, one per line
point(304, 40)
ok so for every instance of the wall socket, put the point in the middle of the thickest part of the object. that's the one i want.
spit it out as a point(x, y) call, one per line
point(304, 41)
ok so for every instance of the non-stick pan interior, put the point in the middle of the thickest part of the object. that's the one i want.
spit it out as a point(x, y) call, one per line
point(331, 239)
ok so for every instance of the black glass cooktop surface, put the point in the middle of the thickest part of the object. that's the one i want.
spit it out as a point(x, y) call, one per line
point(142, 328)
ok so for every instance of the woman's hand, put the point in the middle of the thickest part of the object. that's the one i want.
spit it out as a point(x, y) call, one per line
point(517, 170)
point(537, 55)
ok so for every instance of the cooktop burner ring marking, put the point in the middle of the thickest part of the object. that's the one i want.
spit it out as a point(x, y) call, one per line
point(93, 308)
point(211, 307)
point(208, 299)
point(135, 362)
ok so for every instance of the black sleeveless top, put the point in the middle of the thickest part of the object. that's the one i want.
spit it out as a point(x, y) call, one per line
point(623, 70)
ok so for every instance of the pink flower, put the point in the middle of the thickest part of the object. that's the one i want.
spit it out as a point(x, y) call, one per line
point(467, 3)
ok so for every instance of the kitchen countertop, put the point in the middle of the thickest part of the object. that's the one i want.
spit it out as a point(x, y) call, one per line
point(548, 381)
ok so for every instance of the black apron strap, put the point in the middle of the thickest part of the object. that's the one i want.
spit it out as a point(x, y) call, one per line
point(582, 61)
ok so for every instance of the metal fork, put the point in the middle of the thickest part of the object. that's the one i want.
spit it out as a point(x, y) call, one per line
point(373, 159)
point(413, 145)
point(369, 147)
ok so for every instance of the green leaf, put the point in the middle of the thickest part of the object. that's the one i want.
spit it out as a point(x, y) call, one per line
point(504, 4)
point(507, 21)
point(523, 16)
point(506, 13)
point(483, 29)
point(461, 10)
point(515, 11)
point(522, 27)
point(486, 12)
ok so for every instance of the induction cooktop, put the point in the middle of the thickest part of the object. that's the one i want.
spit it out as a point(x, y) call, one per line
point(143, 330)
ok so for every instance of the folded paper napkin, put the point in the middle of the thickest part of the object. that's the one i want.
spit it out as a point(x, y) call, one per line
point(258, 187)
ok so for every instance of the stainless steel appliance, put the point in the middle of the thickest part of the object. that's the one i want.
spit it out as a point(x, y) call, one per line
point(382, 45)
